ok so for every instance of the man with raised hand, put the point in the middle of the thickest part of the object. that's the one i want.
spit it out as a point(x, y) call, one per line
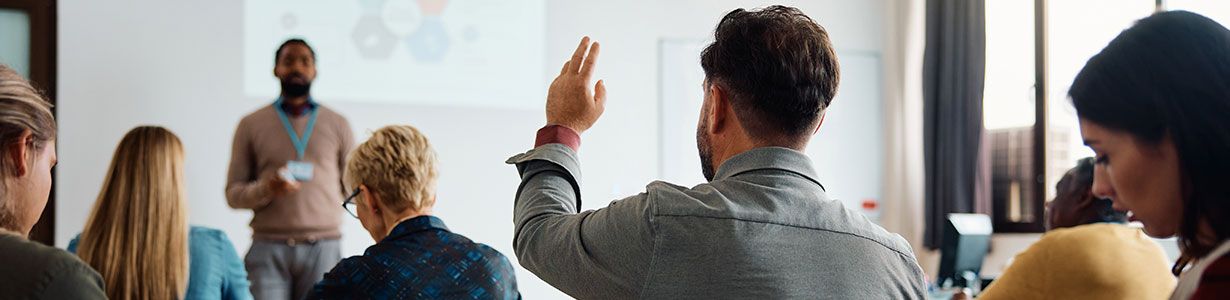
point(762, 227)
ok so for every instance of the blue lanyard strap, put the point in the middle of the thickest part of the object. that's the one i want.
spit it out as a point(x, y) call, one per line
point(300, 143)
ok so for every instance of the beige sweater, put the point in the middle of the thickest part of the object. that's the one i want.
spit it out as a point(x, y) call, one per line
point(261, 147)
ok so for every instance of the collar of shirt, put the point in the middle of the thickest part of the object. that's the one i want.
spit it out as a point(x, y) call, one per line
point(298, 110)
point(415, 225)
point(775, 158)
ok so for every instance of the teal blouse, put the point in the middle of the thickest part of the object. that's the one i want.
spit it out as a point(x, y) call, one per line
point(215, 269)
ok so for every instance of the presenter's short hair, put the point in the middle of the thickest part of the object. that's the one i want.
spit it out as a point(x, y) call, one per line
point(397, 164)
point(277, 55)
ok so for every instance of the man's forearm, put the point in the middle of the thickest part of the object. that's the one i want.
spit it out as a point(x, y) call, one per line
point(247, 195)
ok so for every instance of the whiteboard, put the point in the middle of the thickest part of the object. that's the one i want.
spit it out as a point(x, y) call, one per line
point(847, 153)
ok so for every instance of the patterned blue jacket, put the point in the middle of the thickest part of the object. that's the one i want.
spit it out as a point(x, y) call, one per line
point(421, 259)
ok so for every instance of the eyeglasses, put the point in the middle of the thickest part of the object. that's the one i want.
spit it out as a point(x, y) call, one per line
point(349, 205)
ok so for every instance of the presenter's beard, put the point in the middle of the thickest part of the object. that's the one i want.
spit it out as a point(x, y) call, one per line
point(706, 151)
point(293, 89)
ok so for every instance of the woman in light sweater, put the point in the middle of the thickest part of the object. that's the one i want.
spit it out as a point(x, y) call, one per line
point(1088, 252)
point(138, 236)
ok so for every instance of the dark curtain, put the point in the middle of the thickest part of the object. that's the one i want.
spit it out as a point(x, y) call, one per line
point(957, 163)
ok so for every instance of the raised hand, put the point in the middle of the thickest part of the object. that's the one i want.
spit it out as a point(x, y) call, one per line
point(570, 101)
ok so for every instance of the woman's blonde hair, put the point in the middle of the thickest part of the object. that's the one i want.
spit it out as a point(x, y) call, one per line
point(137, 235)
point(22, 109)
point(398, 165)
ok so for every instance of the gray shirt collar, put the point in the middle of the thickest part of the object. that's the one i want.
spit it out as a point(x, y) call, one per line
point(776, 158)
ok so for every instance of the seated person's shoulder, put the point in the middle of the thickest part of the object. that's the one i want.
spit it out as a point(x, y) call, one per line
point(675, 196)
point(1109, 260)
point(23, 259)
point(352, 264)
point(22, 254)
point(1080, 245)
point(490, 253)
point(339, 282)
point(207, 241)
point(1088, 239)
point(201, 233)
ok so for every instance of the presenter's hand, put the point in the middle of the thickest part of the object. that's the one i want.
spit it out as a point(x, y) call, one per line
point(280, 186)
point(570, 101)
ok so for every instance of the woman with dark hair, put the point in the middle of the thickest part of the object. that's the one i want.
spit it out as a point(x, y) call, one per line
point(1155, 107)
point(1086, 253)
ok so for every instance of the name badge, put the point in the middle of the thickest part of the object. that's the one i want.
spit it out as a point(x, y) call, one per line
point(300, 170)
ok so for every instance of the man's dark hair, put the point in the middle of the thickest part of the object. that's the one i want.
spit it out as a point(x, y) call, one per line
point(778, 68)
point(277, 56)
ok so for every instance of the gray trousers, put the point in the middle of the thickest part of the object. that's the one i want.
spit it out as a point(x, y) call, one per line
point(279, 270)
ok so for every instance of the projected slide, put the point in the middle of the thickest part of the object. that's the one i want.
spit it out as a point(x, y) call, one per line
point(472, 53)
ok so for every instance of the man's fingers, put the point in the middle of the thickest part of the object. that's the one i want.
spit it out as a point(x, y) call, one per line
point(587, 68)
point(579, 55)
point(564, 70)
point(600, 93)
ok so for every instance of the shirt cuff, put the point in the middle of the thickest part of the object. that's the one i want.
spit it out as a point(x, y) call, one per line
point(558, 134)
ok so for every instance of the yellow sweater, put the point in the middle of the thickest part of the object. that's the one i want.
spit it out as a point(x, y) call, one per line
point(1095, 261)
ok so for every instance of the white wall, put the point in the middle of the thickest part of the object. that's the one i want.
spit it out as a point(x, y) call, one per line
point(179, 64)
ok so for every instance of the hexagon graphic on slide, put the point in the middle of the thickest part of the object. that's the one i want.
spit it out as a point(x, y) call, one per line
point(373, 40)
point(430, 43)
point(401, 17)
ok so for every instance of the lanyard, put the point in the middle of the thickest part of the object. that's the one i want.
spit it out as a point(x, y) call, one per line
point(300, 143)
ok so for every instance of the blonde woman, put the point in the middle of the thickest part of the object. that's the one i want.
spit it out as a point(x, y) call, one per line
point(28, 269)
point(393, 181)
point(138, 235)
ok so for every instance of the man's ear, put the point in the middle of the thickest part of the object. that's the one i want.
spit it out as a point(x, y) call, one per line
point(18, 152)
point(276, 65)
point(818, 124)
point(373, 202)
point(719, 109)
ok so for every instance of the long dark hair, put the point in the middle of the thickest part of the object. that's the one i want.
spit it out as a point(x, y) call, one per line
point(1169, 75)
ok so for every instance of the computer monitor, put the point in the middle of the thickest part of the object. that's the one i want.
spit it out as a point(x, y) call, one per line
point(967, 238)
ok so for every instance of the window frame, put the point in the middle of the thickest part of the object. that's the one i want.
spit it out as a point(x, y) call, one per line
point(1000, 220)
point(43, 52)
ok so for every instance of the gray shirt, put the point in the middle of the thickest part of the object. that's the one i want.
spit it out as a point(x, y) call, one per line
point(763, 228)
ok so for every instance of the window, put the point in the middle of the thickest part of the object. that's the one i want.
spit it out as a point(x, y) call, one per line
point(1009, 112)
point(1027, 165)
point(1217, 10)
point(28, 43)
point(1075, 35)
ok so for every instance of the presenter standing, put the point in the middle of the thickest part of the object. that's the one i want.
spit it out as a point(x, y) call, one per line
point(286, 166)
